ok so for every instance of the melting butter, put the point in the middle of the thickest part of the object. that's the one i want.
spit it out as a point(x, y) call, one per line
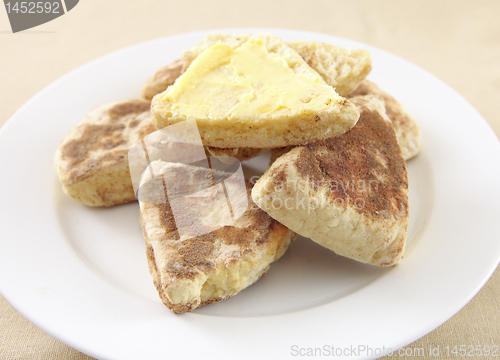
point(223, 82)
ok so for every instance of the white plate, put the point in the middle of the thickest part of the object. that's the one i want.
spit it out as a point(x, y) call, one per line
point(81, 274)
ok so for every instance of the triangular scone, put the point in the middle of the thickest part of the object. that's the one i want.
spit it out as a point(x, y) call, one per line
point(212, 267)
point(344, 69)
point(348, 194)
point(407, 130)
point(92, 160)
point(260, 94)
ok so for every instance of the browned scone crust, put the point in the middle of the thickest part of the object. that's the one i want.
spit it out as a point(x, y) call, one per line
point(161, 80)
point(92, 160)
point(354, 187)
point(185, 272)
point(407, 130)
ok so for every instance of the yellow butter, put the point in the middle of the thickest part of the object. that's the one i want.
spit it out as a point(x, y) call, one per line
point(223, 82)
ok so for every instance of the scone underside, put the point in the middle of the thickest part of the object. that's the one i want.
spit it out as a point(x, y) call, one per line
point(299, 121)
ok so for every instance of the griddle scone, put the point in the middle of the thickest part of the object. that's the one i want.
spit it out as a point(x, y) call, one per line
point(341, 68)
point(92, 160)
point(348, 194)
point(260, 94)
point(407, 130)
point(212, 267)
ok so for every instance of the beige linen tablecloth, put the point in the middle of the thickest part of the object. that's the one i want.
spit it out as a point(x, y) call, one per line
point(458, 41)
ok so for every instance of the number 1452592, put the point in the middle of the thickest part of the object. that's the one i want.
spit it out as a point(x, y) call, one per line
point(31, 7)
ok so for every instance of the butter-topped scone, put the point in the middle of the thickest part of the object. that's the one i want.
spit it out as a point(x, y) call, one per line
point(214, 266)
point(348, 194)
point(344, 69)
point(260, 94)
point(92, 160)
